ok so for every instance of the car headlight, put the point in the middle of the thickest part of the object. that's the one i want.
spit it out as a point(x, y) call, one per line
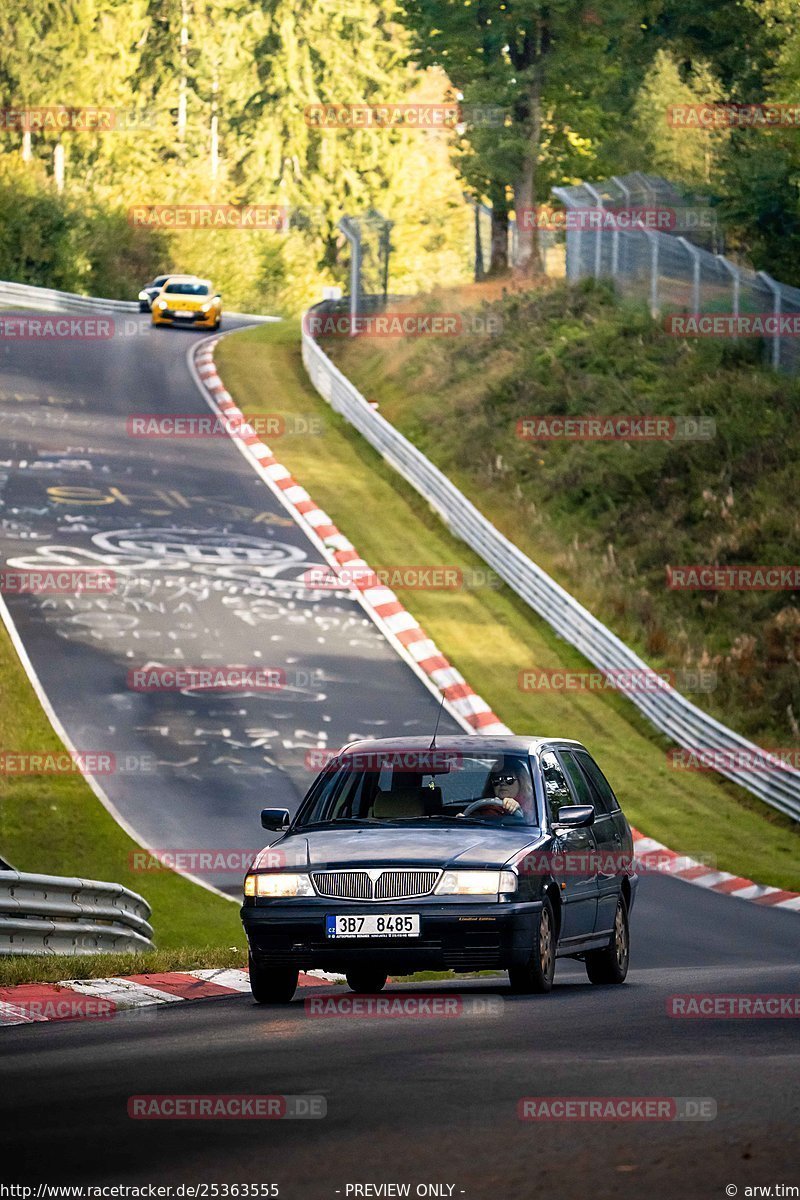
point(143, 296)
point(277, 884)
point(161, 304)
point(205, 307)
point(476, 883)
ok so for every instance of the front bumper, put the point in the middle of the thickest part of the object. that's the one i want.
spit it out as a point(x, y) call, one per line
point(455, 935)
point(196, 320)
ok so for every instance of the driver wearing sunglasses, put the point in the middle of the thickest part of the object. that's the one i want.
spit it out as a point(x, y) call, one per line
point(509, 786)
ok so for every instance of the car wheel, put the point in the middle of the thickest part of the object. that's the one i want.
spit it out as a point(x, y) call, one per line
point(537, 974)
point(272, 985)
point(610, 965)
point(143, 307)
point(365, 979)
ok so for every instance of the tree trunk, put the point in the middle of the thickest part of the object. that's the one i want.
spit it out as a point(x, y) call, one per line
point(498, 261)
point(214, 164)
point(528, 261)
point(183, 82)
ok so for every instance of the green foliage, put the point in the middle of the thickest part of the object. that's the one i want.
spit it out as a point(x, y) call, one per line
point(687, 156)
point(606, 518)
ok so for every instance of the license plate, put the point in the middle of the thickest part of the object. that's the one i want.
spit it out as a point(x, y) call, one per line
point(185, 316)
point(373, 925)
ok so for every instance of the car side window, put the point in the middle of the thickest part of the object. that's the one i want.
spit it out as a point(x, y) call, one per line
point(556, 789)
point(606, 801)
point(580, 785)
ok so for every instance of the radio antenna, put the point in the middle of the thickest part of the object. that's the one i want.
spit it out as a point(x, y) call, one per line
point(436, 726)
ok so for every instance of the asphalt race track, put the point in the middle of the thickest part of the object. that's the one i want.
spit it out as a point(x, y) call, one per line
point(410, 1100)
point(208, 571)
point(434, 1100)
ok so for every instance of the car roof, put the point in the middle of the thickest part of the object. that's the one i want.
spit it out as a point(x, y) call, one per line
point(464, 743)
point(189, 279)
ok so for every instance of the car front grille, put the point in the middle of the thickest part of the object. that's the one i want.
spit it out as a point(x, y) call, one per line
point(390, 884)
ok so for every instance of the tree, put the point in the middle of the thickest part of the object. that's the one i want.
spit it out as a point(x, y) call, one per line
point(685, 155)
point(545, 62)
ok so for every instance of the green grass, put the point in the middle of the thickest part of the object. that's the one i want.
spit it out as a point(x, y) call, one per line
point(490, 635)
point(55, 825)
point(51, 968)
point(606, 518)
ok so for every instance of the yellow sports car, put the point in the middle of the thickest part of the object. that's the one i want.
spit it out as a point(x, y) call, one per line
point(187, 300)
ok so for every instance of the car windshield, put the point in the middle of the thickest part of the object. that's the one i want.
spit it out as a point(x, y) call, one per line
point(422, 786)
point(189, 289)
point(159, 281)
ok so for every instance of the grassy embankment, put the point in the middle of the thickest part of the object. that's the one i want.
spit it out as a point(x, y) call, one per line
point(487, 632)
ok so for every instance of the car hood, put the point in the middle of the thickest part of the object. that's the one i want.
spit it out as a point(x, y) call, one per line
point(180, 303)
point(470, 846)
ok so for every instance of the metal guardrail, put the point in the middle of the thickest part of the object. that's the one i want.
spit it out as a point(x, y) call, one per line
point(49, 300)
point(669, 711)
point(51, 914)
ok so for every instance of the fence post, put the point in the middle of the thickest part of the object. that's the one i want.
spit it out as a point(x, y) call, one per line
point(626, 192)
point(736, 276)
point(694, 254)
point(775, 288)
point(353, 234)
point(598, 246)
point(653, 240)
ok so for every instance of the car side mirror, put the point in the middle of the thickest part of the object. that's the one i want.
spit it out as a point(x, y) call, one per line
point(275, 818)
point(574, 816)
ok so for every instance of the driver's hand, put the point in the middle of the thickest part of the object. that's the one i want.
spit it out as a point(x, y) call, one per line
point(511, 806)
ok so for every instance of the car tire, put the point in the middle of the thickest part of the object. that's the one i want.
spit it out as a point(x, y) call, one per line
point(610, 965)
point(143, 306)
point(366, 979)
point(537, 974)
point(272, 985)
